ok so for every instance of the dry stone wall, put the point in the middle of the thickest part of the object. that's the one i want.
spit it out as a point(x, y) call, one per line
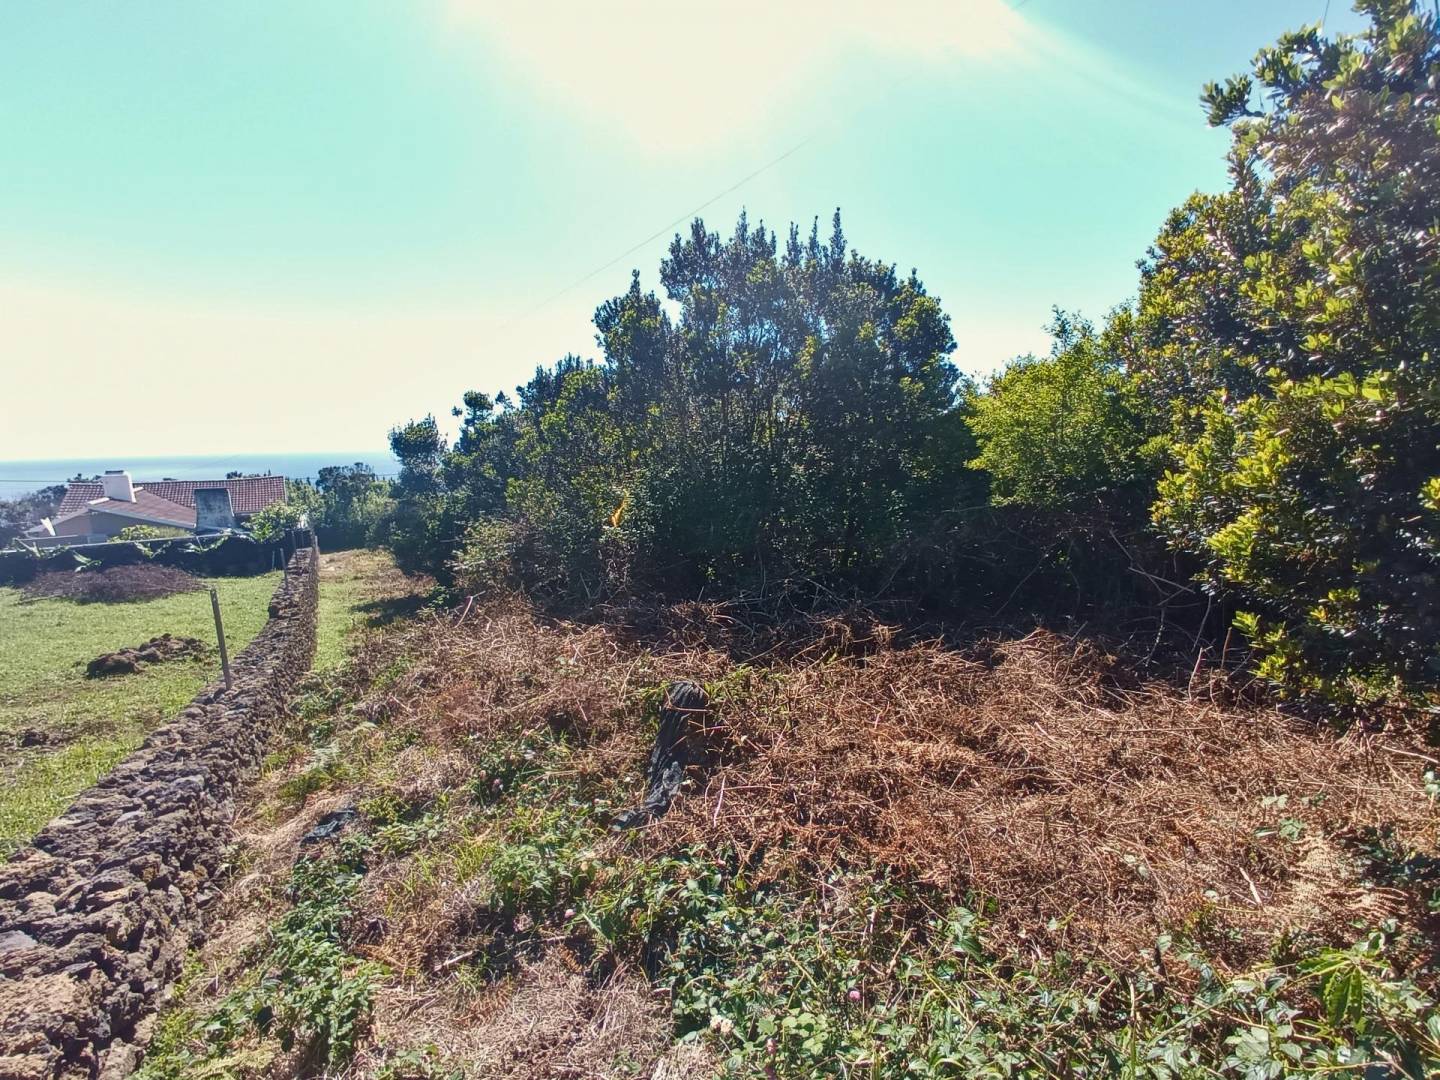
point(97, 914)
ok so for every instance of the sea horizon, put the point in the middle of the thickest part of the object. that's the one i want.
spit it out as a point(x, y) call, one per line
point(21, 476)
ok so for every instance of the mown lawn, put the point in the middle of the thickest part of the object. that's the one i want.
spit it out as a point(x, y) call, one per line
point(358, 590)
point(63, 731)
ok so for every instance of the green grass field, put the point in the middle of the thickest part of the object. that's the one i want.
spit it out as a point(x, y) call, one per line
point(358, 590)
point(63, 731)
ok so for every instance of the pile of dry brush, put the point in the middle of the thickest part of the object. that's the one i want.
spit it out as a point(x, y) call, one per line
point(113, 585)
point(1086, 805)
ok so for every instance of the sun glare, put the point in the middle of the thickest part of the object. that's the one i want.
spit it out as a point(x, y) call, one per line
point(683, 76)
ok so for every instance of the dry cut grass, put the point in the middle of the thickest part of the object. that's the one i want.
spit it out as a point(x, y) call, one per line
point(1039, 778)
point(1086, 806)
point(548, 1021)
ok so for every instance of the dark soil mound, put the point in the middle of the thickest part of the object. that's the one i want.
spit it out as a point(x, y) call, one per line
point(155, 651)
point(115, 584)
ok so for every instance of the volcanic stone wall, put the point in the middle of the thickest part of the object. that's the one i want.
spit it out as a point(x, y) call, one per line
point(97, 914)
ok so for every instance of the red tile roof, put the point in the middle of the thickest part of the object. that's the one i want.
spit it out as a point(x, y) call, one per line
point(248, 494)
point(147, 507)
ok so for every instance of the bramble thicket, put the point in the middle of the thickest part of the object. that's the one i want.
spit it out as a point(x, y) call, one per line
point(1251, 443)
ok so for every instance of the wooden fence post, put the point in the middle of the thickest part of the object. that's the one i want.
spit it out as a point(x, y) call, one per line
point(220, 637)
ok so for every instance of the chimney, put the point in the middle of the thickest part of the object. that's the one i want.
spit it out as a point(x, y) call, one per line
point(213, 511)
point(117, 485)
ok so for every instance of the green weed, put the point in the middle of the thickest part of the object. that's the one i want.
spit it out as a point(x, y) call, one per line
point(509, 767)
point(309, 994)
point(875, 982)
point(326, 770)
point(424, 1063)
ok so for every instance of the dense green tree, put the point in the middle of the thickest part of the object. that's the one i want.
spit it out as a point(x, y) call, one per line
point(789, 413)
point(796, 405)
point(1308, 478)
point(1067, 431)
point(483, 454)
point(572, 487)
point(416, 528)
point(1193, 330)
point(345, 506)
point(419, 447)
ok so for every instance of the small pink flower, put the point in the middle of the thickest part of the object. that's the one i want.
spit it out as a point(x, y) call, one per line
point(569, 913)
point(770, 1046)
point(854, 995)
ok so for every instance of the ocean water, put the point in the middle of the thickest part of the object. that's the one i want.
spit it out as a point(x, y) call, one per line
point(19, 477)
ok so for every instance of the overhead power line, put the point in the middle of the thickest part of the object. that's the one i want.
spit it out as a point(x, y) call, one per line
point(682, 219)
point(658, 233)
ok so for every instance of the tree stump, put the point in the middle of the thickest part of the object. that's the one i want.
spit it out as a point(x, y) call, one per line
point(686, 704)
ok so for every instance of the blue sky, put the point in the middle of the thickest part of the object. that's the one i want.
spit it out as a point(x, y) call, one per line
point(277, 226)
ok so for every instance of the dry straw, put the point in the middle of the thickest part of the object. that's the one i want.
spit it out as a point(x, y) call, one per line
point(1082, 805)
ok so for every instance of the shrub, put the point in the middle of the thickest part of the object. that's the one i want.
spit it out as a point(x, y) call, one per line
point(344, 506)
point(486, 562)
point(798, 417)
point(788, 416)
point(1065, 432)
point(1313, 496)
point(131, 533)
point(275, 520)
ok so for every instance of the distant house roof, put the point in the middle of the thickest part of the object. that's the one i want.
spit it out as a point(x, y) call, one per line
point(248, 494)
point(148, 507)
